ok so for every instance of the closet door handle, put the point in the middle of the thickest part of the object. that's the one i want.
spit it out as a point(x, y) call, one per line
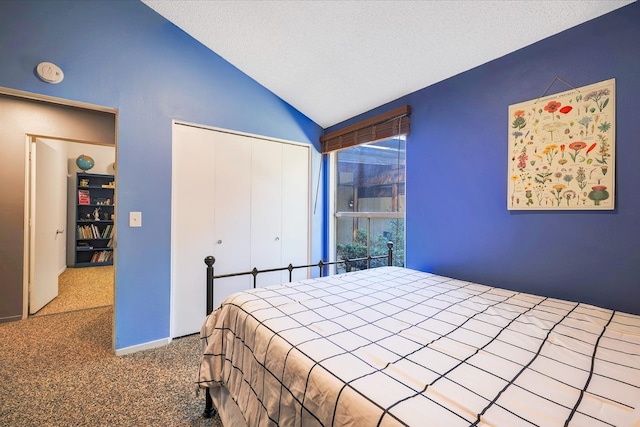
point(219, 242)
point(277, 238)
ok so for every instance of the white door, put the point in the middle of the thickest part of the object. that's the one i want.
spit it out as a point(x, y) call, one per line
point(266, 224)
point(227, 201)
point(211, 208)
point(232, 223)
point(46, 224)
point(193, 196)
point(295, 208)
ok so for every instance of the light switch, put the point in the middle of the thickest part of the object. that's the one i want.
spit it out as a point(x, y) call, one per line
point(135, 219)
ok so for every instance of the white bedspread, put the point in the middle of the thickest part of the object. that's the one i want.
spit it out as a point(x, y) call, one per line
point(393, 346)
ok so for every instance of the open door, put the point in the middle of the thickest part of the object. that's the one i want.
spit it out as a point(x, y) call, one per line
point(46, 225)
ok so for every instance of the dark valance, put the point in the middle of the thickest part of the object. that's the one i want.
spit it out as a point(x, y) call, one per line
point(384, 126)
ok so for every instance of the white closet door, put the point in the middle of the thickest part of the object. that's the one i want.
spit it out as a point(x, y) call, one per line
point(266, 208)
point(193, 196)
point(242, 199)
point(232, 222)
point(295, 208)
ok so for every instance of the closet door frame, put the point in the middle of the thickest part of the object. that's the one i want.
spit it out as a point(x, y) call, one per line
point(174, 249)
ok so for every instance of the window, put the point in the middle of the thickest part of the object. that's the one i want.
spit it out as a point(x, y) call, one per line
point(367, 186)
point(370, 201)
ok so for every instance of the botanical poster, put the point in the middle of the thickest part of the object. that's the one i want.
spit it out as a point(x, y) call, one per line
point(561, 150)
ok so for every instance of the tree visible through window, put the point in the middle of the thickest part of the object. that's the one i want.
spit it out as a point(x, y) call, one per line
point(370, 201)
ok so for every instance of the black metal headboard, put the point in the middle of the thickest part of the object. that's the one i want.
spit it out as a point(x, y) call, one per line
point(210, 260)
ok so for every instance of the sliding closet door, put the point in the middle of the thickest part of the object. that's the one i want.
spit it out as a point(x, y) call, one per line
point(232, 223)
point(193, 203)
point(210, 216)
point(280, 203)
point(295, 208)
point(242, 199)
point(266, 196)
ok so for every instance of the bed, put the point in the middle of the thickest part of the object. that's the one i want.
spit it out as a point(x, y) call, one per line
point(392, 346)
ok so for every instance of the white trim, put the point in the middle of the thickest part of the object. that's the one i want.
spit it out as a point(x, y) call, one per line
point(32, 218)
point(172, 237)
point(309, 204)
point(388, 215)
point(235, 132)
point(26, 258)
point(331, 220)
point(144, 346)
point(55, 100)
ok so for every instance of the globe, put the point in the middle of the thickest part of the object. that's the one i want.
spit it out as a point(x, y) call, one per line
point(84, 162)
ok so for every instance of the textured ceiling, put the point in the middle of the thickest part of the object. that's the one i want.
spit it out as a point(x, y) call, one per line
point(324, 57)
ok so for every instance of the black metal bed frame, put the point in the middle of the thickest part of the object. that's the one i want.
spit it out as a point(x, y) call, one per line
point(209, 410)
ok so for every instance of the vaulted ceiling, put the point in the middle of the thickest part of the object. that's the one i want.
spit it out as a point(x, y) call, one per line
point(335, 59)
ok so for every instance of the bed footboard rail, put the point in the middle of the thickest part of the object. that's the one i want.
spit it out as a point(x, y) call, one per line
point(210, 260)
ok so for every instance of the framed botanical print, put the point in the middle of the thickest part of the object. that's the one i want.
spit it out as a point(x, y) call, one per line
point(562, 150)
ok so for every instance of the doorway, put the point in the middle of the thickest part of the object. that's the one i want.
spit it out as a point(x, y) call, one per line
point(26, 115)
point(56, 283)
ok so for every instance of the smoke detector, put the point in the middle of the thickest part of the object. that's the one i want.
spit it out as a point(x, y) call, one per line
point(49, 72)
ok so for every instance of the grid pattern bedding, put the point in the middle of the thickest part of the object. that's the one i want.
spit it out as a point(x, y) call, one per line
point(393, 346)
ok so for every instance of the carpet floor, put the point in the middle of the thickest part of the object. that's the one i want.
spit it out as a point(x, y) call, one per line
point(59, 370)
point(82, 288)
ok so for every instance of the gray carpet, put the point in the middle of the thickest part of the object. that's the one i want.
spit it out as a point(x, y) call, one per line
point(59, 370)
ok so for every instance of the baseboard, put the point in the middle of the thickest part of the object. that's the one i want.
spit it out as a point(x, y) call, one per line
point(10, 318)
point(62, 270)
point(144, 346)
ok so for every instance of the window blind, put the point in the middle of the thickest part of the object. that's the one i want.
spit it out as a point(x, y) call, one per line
point(386, 125)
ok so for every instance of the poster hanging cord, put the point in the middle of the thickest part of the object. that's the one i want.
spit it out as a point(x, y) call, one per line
point(551, 84)
point(315, 204)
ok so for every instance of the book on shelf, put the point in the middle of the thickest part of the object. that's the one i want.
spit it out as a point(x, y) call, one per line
point(84, 197)
point(89, 231)
point(101, 256)
point(107, 233)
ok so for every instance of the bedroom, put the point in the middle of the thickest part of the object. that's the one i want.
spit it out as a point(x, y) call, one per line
point(458, 224)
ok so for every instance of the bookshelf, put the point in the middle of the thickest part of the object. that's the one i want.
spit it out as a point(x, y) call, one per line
point(91, 215)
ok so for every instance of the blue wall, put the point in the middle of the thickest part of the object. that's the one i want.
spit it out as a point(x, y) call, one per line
point(122, 54)
point(457, 219)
